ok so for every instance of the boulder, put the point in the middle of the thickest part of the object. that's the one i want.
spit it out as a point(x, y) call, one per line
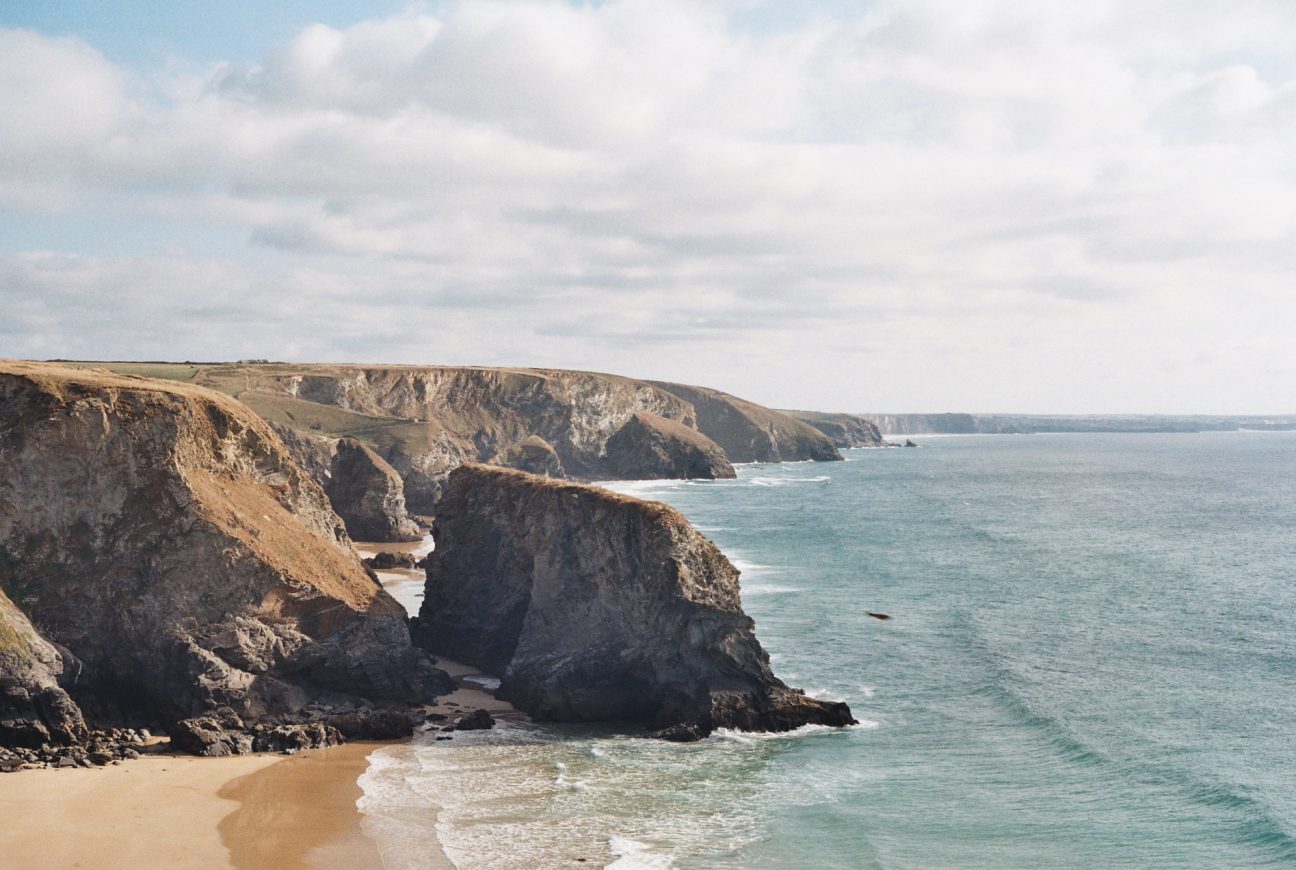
point(595, 606)
point(477, 720)
point(369, 496)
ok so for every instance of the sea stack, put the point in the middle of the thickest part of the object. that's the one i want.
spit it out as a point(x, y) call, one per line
point(593, 606)
point(162, 557)
point(369, 496)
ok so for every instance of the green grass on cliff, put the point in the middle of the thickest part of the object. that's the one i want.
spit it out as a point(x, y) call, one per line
point(165, 371)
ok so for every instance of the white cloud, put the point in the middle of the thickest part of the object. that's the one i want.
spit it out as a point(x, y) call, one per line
point(927, 195)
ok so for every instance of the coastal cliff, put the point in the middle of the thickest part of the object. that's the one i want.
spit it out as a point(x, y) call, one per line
point(162, 535)
point(426, 420)
point(844, 430)
point(594, 606)
point(751, 433)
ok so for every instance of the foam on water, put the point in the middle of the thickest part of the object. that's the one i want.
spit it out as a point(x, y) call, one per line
point(1089, 664)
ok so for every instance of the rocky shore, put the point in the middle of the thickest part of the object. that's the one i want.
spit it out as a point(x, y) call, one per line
point(168, 565)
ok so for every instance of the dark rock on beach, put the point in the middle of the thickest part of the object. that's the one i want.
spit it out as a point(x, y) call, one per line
point(594, 606)
point(477, 720)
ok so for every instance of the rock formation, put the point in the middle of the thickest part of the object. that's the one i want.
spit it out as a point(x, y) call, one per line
point(751, 433)
point(649, 447)
point(845, 430)
point(425, 420)
point(162, 535)
point(594, 606)
point(34, 709)
point(369, 496)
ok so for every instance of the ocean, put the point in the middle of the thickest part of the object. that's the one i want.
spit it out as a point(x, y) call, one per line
point(1091, 662)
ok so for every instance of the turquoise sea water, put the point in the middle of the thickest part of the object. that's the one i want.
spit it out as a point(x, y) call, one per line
point(1091, 663)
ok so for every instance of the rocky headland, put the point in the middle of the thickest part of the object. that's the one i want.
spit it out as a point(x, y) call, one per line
point(594, 606)
point(845, 430)
point(165, 562)
point(426, 420)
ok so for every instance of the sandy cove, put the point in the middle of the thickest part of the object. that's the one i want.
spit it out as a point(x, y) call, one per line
point(252, 812)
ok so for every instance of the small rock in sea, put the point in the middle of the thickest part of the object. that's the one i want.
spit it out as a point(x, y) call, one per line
point(909, 443)
point(475, 721)
point(445, 737)
point(878, 615)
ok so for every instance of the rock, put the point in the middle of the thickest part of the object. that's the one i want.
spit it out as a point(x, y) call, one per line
point(650, 447)
point(369, 496)
point(217, 735)
point(290, 739)
point(532, 454)
point(444, 737)
point(595, 606)
point(909, 443)
point(197, 567)
point(875, 615)
point(34, 708)
point(751, 433)
point(845, 430)
point(477, 720)
point(388, 561)
point(373, 725)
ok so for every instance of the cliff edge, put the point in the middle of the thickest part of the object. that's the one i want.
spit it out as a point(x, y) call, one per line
point(594, 606)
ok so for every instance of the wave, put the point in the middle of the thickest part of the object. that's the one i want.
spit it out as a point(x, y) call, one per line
point(634, 855)
point(784, 481)
point(733, 735)
point(1258, 825)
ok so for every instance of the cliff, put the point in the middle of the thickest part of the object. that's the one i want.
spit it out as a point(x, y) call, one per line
point(163, 536)
point(751, 433)
point(425, 420)
point(925, 424)
point(34, 709)
point(649, 447)
point(844, 430)
point(594, 606)
point(367, 493)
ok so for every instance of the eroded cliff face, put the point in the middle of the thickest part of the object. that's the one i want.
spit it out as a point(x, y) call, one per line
point(369, 496)
point(34, 708)
point(844, 430)
point(649, 447)
point(751, 433)
point(163, 535)
point(594, 606)
point(427, 420)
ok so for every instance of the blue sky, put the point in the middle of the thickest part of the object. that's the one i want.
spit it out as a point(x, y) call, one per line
point(918, 205)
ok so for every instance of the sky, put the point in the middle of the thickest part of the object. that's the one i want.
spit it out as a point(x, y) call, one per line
point(899, 205)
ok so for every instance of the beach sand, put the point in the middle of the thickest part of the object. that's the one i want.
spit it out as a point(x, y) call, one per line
point(252, 812)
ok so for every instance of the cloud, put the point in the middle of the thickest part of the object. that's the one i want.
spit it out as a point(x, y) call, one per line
point(927, 192)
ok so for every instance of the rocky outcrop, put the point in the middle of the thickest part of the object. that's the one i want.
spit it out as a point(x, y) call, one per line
point(34, 708)
point(533, 455)
point(162, 535)
point(844, 430)
point(649, 447)
point(594, 606)
point(369, 496)
point(751, 433)
point(426, 420)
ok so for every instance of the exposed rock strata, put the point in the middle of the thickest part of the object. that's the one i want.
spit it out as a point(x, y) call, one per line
point(163, 535)
point(649, 447)
point(751, 433)
point(369, 496)
point(593, 606)
point(845, 430)
point(34, 708)
point(426, 420)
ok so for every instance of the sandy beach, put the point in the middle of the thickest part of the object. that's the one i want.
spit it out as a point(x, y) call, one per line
point(174, 811)
point(248, 812)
